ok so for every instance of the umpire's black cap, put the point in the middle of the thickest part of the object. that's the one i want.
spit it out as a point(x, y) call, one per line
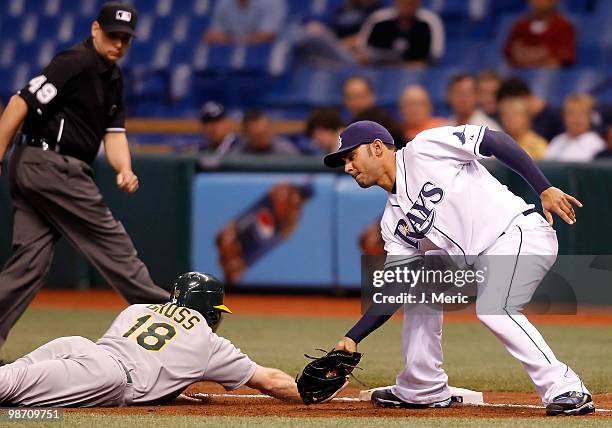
point(117, 17)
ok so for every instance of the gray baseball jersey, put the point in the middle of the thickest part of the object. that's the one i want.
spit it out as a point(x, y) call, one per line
point(167, 348)
point(149, 354)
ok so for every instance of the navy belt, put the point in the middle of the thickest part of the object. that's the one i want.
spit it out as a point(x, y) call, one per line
point(525, 213)
point(39, 142)
point(529, 211)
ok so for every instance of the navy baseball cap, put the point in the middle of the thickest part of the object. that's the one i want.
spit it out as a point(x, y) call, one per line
point(117, 17)
point(362, 132)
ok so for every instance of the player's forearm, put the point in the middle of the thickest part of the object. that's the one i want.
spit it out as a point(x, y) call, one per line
point(275, 383)
point(11, 120)
point(367, 324)
point(118, 151)
point(504, 148)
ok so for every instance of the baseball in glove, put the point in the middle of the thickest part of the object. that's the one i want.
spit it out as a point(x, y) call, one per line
point(325, 376)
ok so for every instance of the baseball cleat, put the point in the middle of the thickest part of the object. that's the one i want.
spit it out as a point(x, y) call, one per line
point(385, 398)
point(571, 403)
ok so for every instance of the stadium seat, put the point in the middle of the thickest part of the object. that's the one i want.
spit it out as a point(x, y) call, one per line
point(49, 27)
point(596, 30)
point(13, 79)
point(143, 55)
point(390, 83)
point(566, 82)
point(541, 81)
point(449, 9)
point(82, 29)
point(146, 84)
point(257, 58)
point(7, 87)
point(8, 48)
point(212, 57)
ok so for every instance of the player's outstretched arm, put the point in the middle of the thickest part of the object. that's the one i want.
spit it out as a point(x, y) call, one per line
point(274, 382)
point(504, 148)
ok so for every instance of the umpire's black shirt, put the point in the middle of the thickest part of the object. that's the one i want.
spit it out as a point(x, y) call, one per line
point(75, 101)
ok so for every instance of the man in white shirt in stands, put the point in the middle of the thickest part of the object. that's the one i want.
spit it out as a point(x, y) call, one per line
point(578, 143)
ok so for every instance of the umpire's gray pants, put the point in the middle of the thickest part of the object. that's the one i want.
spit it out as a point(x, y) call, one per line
point(55, 195)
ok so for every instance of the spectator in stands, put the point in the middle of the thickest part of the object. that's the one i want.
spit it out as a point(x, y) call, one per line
point(258, 137)
point(403, 34)
point(462, 98)
point(416, 112)
point(336, 40)
point(544, 38)
point(323, 128)
point(246, 21)
point(358, 94)
point(515, 118)
point(546, 121)
point(578, 143)
point(219, 136)
point(348, 18)
point(487, 84)
point(607, 152)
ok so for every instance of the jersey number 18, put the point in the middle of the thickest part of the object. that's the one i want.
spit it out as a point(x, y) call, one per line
point(152, 339)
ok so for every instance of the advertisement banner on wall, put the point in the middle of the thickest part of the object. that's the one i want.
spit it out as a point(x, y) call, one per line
point(264, 229)
point(358, 231)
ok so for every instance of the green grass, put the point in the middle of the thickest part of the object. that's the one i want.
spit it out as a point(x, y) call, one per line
point(473, 359)
point(93, 420)
point(473, 356)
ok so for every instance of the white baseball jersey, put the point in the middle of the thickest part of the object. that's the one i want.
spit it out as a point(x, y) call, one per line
point(166, 348)
point(444, 198)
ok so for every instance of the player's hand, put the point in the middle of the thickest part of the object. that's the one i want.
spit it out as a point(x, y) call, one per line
point(346, 344)
point(559, 202)
point(127, 181)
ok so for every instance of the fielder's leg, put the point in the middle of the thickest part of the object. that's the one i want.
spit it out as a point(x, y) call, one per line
point(423, 379)
point(517, 263)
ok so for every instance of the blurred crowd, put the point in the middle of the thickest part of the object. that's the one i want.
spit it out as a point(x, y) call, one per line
point(370, 32)
point(408, 35)
point(573, 133)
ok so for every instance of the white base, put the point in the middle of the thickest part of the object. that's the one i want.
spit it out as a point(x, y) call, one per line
point(461, 395)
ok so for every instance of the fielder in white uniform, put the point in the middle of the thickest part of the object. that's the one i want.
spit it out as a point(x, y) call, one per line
point(441, 199)
point(149, 355)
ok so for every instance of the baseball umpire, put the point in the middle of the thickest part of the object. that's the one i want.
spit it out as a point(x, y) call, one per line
point(66, 111)
point(149, 355)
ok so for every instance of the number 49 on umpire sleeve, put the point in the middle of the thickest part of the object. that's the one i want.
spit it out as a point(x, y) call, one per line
point(152, 339)
point(44, 92)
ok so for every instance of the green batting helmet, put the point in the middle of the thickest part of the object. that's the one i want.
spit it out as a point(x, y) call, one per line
point(202, 292)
